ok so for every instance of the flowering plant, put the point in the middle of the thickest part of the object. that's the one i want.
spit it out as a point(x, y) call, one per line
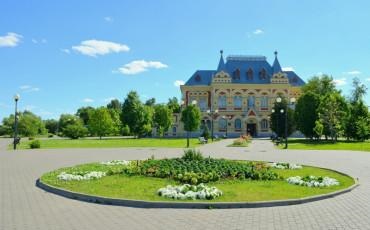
point(279, 165)
point(115, 162)
point(190, 192)
point(313, 181)
point(81, 175)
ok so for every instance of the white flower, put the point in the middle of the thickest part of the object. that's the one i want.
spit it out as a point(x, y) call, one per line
point(313, 181)
point(82, 176)
point(115, 162)
point(187, 191)
point(279, 165)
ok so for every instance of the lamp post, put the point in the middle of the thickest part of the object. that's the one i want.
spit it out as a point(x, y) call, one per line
point(16, 140)
point(212, 113)
point(291, 101)
point(227, 123)
point(277, 124)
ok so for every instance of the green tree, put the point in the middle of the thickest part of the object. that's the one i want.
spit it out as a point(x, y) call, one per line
point(174, 105)
point(320, 85)
point(7, 128)
point(332, 111)
point(306, 113)
point(363, 128)
point(51, 125)
point(318, 129)
point(162, 118)
point(150, 102)
point(115, 105)
point(278, 119)
point(117, 124)
point(84, 113)
point(30, 125)
point(136, 116)
point(190, 116)
point(100, 122)
point(75, 131)
point(69, 119)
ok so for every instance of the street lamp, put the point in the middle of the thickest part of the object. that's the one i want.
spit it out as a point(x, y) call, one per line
point(212, 113)
point(227, 118)
point(16, 139)
point(291, 101)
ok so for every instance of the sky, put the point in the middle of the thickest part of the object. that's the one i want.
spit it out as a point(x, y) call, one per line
point(62, 55)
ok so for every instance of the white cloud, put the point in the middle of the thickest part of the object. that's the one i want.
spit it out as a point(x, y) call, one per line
point(88, 100)
point(288, 68)
point(353, 72)
point(34, 41)
point(177, 83)
point(67, 51)
point(340, 81)
point(139, 66)
point(29, 88)
point(108, 19)
point(10, 40)
point(258, 31)
point(109, 99)
point(97, 47)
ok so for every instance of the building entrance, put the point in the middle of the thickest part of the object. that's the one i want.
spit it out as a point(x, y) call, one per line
point(252, 129)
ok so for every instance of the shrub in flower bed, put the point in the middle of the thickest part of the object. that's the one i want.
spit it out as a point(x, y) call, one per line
point(240, 142)
point(81, 175)
point(201, 170)
point(190, 192)
point(279, 165)
point(313, 181)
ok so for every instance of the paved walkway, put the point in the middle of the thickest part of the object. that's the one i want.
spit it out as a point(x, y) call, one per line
point(24, 206)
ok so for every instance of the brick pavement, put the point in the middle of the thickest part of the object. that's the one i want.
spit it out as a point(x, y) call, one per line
point(24, 206)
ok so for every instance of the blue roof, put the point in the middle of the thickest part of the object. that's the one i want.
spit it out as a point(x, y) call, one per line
point(238, 67)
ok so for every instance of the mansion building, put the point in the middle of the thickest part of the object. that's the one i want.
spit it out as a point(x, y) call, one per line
point(238, 96)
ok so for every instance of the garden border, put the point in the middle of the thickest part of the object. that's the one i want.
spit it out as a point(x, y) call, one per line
point(186, 205)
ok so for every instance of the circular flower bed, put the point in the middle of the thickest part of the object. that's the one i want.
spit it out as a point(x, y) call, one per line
point(313, 181)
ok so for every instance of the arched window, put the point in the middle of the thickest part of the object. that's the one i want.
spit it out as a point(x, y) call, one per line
point(238, 102)
point(263, 73)
point(236, 74)
point(222, 102)
point(264, 101)
point(251, 100)
point(250, 74)
point(174, 129)
point(238, 124)
point(264, 125)
point(209, 124)
point(222, 124)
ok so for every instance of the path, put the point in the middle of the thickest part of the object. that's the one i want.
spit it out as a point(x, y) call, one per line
point(24, 206)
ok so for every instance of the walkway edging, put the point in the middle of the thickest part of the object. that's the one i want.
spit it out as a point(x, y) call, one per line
point(186, 205)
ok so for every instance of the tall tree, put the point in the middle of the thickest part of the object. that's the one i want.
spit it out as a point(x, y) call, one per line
point(306, 113)
point(51, 125)
point(162, 118)
point(68, 119)
point(173, 104)
point(190, 116)
point(30, 125)
point(100, 122)
point(115, 105)
point(135, 115)
point(83, 113)
point(278, 119)
point(150, 102)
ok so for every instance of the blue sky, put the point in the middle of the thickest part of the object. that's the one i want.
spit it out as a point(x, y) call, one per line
point(61, 55)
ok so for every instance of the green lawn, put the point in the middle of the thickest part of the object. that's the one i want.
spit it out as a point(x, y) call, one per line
point(144, 188)
point(327, 145)
point(112, 143)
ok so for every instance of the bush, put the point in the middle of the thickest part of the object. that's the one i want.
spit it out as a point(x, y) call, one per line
point(240, 142)
point(50, 135)
point(192, 155)
point(125, 130)
point(31, 138)
point(75, 131)
point(35, 144)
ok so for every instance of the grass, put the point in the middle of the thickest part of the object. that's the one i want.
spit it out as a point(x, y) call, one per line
point(327, 145)
point(112, 143)
point(144, 188)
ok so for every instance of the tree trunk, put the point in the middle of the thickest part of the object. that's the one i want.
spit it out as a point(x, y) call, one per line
point(187, 139)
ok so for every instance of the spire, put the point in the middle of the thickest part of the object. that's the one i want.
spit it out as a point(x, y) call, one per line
point(221, 64)
point(276, 66)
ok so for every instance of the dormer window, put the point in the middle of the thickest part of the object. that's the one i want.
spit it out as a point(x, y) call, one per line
point(198, 78)
point(250, 74)
point(236, 74)
point(263, 74)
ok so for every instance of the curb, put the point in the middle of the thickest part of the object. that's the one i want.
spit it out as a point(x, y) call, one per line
point(186, 205)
